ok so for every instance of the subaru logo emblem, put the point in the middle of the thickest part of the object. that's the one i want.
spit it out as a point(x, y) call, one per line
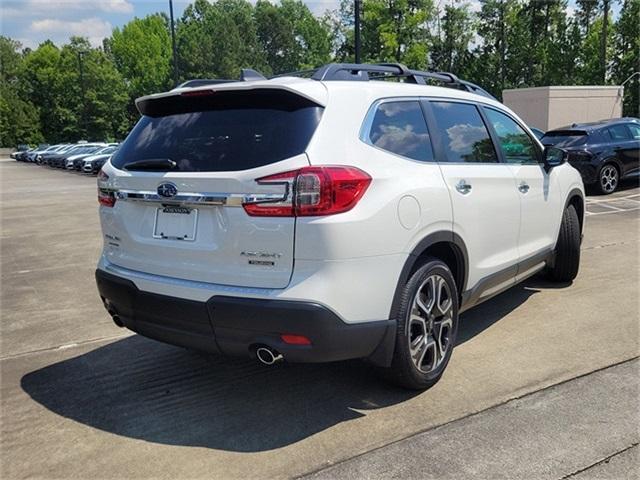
point(167, 190)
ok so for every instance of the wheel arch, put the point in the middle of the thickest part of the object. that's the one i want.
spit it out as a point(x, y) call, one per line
point(576, 198)
point(444, 245)
point(612, 159)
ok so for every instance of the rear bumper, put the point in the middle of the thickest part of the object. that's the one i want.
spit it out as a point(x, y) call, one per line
point(236, 325)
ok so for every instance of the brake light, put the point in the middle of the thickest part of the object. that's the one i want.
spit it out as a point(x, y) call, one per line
point(313, 191)
point(295, 339)
point(198, 93)
point(106, 198)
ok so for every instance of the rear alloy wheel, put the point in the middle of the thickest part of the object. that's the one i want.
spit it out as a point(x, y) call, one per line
point(609, 178)
point(427, 327)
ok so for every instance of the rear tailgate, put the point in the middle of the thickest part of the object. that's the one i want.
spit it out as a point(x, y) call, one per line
point(182, 175)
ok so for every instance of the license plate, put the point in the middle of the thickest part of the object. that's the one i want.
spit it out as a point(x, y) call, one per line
point(176, 223)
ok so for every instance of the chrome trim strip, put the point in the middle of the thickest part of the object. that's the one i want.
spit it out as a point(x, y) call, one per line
point(218, 199)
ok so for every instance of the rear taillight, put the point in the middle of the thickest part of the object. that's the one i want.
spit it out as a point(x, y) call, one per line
point(106, 198)
point(313, 191)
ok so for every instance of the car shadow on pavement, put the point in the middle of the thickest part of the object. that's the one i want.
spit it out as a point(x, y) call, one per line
point(139, 388)
point(481, 317)
point(147, 390)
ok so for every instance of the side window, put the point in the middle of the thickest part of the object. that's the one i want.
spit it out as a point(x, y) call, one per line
point(618, 133)
point(463, 133)
point(635, 130)
point(517, 146)
point(400, 128)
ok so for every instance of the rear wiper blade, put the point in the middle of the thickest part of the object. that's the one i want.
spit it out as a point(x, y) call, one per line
point(151, 164)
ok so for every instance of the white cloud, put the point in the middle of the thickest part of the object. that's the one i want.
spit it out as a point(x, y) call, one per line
point(107, 6)
point(59, 31)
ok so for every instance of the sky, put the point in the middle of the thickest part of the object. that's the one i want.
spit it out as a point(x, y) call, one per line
point(33, 21)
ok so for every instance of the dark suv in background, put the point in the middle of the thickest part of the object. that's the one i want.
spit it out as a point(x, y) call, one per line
point(603, 152)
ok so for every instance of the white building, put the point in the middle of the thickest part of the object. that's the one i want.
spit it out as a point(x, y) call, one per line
point(547, 108)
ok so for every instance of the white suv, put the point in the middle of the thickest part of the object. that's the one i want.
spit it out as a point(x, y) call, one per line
point(328, 218)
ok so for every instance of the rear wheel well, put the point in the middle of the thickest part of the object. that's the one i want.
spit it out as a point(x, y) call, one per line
point(451, 255)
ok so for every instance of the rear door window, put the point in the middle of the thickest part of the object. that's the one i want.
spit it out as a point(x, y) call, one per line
point(618, 133)
point(400, 128)
point(221, 131)
point(635, 130)
point(463, 133)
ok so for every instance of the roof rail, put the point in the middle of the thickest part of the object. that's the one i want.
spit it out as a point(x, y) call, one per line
point(377, 71)
point(246, 75)
point(356, 72)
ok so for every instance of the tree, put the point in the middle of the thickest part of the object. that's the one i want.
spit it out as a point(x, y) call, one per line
point(217, 40)
point(396, 31)
point(291, 37)
point(586, 13)
point(94, 103)
point(313, 43)
point(450, 50)
point(19, 122)
point(141, 51)
point(39, 73)
point(626, 60)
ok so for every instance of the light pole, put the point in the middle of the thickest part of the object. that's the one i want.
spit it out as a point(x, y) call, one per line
point(173, 44)
point(357, 28)
point(83, 116)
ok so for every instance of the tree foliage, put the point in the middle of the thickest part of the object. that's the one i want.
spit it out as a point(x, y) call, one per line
point(141, 52)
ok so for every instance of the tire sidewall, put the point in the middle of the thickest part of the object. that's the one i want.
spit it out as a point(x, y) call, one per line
point(402, 344)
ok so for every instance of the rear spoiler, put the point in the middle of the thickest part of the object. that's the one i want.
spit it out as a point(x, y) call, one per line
point(231, 95)
point(154, 105)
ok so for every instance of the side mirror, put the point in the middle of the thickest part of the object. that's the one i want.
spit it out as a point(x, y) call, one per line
point(554, 157)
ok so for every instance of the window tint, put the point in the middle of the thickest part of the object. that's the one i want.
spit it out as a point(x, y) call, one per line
point(635, 130)
point(517, 146)
point(463, 133)
point(400, 128)
point(618, 132)
point(225, 131)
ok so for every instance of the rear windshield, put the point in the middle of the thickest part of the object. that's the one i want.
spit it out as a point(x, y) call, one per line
point(565, 138)
point(222, 131)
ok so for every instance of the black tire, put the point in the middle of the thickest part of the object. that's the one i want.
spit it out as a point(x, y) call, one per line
point(567, 254)
point(608, 179)
point(403, 371)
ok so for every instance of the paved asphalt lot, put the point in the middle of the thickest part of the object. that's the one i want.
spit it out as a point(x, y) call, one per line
point(542, 385)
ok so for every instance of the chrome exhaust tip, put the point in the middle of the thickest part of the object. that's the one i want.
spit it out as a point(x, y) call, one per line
point(266, 356)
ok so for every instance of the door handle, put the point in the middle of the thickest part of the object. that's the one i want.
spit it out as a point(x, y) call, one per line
point(523, 187)
point(463, 187)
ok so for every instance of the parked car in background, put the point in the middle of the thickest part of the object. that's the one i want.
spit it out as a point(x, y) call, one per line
point(42, 158)
point(603, 152)
point(93, 163)
point(58, 159)
point(22, 155)
point(79, 161)
point(19, 149)
point(33, 155)
point(69, 161)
